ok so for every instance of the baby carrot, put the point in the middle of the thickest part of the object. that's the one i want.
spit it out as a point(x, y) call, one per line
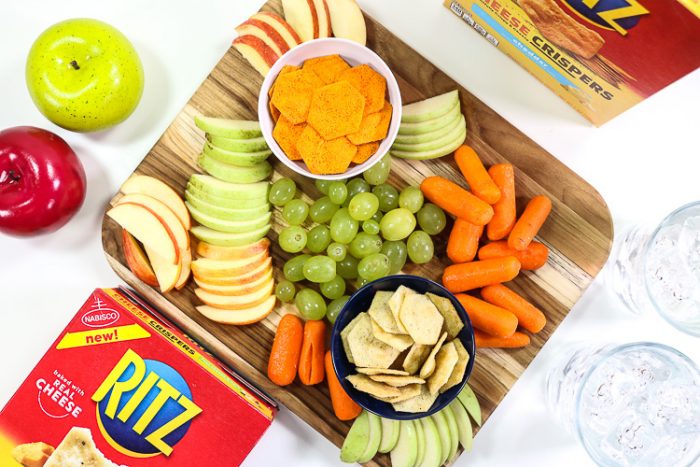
point(312, 351)
point(464, 241)
point(483, 340)
point(344, 407)
point(529, 317)
point(530, 222)
point(284, 357)
point(456, 200)
point(532, 257)
point(468, 276)
point(504, 210)
point(480, 182)
point(488, 318)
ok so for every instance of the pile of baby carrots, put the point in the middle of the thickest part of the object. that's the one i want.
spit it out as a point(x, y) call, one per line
point(299, 349)
point(489, 205)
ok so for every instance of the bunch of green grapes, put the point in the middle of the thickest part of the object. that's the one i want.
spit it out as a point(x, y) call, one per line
point(362, 230)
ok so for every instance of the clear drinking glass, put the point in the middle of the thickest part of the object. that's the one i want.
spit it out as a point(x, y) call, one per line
point(659, 269)
point(630, 405)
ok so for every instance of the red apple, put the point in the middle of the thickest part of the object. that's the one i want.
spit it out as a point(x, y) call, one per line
point(42, 182)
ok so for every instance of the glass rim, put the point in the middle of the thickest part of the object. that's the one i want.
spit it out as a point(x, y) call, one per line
point(606, 355)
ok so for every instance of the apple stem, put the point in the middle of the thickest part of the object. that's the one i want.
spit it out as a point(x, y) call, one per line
point(75, 65)
point(14, 176)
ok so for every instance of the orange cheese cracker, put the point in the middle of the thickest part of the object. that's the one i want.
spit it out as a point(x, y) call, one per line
point(285, 69)
point(336, 110)
point(322, 156)
point(287, 134)
point(274, 112)
point(373, 126)
point(293, 92)
point(327, 68)
point(364, 152)
point(371, 85)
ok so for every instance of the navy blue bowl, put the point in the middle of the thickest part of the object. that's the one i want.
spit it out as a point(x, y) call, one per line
point(359, 302)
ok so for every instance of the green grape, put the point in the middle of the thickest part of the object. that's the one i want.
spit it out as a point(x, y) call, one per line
point(388, 197)
point(319, 238)
point(337, 192)
point(396, 252)
point(379, 172)
point(370, 226)
point(294, 268)
point(310, 304)
point(323, 185)
point(411, 198)
point(285, 291)
point(377, 217)
point(363, 206)
point(336, 251)
point(431, 219)
point(335, 307)
point(295, 212)
point(364, 245)
point(355, 186)
point(319, 269)
point(334, 288)
point(374, 266)
point(397, 224)
point(420, 247)
point(292, 239)
point(322, 210)
point(361, 282)
point(347, 267)
point(343, 227)
point(282, 191)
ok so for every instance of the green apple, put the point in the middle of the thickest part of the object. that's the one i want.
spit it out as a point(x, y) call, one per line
point(471, 403)
point(432, 457)
point(433, 153)
point(430, 145)
point(464, 425)
point(356, 440)
point(420, 437)
point(234, 174)
point(214, 237)
point(430, 125)
point(241, 159)
point(224, 213)
point(237, 191)
point(405, 452)
point(429, 109)
point(455, 120)
point(237, 129)
point(454, 432)
point(375, 437)
point(390, 435)
point(444, 432)
point(228, 226)
point(84, 75)
point(238, 145)
point(224, 203)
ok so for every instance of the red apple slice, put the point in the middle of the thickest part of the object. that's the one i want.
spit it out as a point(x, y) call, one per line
point(147, 228)
point(264, 32)
point(206, 268)
point(281, 26)
point(242, 316)
point(185, 263)
point(236, 302)
point(237, 279)
point(164, 213)
point(347, 21)
point(258, 54)
point(324, 18)
point(166, 273)
point(208, 250)
point(145, 185)
point(301, 15)
point(238, 289)
point(136, 259)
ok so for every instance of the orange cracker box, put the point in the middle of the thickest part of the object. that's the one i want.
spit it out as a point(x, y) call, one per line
point(123, 387)
point(600, 56)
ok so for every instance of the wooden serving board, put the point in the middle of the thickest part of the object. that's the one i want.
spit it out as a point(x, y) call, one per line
point(578, 232)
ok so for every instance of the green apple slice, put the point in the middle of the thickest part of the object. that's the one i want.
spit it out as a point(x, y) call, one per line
point(228, 226)
point(226, 203)
point(238, 145)
point(418, 138)
point(232, 173)
point(428, 126)
point(432, 456)
point(433, 153)
point(356, 440)
point(454, 432)
point(390, 435)
point(241, 159)
point(405, 452)
point(429, 109)
point(214, 237)
point(471, 403)
point(375, 437)
point(434, 144)
point(223, 213)
point(236, 191)
point(238, 129)
point(420, 436)
point(444, 432)
point(464, 425)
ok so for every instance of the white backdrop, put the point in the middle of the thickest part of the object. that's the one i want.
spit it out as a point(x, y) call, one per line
point(644, 163)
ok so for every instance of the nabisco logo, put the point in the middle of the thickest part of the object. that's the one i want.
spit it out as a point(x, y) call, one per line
point(99, 316)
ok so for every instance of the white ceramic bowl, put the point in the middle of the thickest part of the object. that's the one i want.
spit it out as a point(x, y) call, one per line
point(354, 54)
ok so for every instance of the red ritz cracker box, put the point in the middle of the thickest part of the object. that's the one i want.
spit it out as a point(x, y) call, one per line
point(122, 386)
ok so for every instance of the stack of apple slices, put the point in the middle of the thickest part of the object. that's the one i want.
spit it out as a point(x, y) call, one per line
point(233, 269)
point(431, 128)
point(263, 39)
point(152, 213)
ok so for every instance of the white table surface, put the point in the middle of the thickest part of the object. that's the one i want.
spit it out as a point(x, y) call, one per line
point(644, 163)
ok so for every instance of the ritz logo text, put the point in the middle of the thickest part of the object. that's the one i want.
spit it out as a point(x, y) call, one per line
point(613, 15)
point(144, 407)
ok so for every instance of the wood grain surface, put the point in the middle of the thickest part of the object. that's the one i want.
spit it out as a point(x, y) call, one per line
point(578, 232)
